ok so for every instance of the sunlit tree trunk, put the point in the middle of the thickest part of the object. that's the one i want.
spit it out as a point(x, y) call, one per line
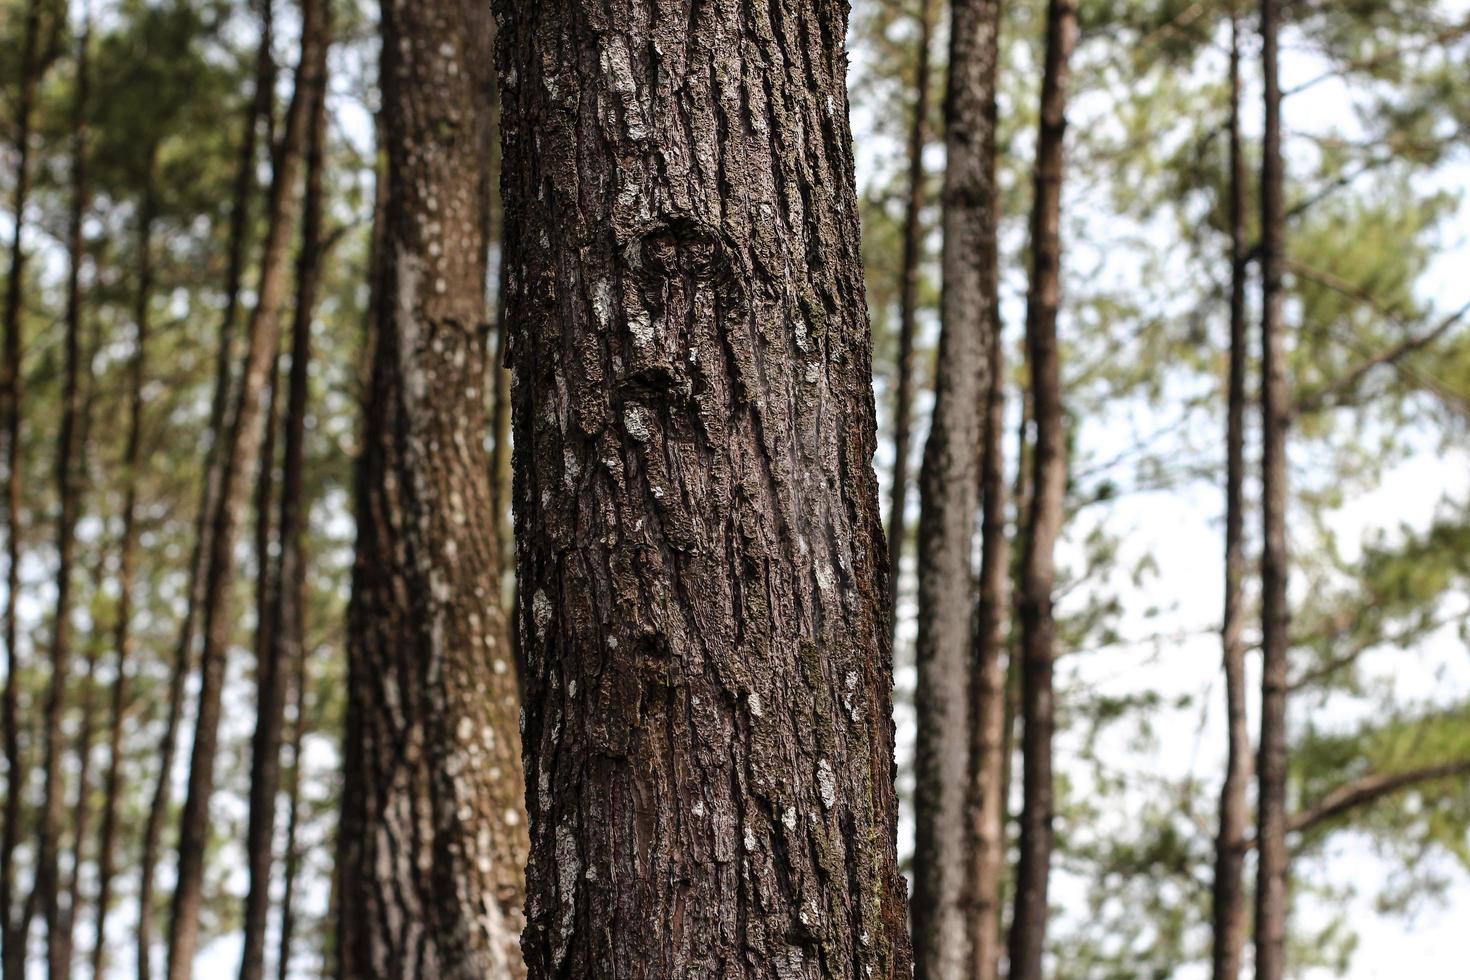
point(433, 837)
point(1044, 522)
point(703, 590)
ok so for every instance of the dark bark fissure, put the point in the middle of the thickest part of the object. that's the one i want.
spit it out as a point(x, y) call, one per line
point(1229, 909)
point(908, 302)
point(1271, 804)
point(240, 452)
point(1043, 526)
point(433, 828)
point(704, 595)
point(950, 483)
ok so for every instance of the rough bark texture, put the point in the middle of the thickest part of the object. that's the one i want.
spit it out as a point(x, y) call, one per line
point(971, 129)
point(69, 472)
point(703, 604)
point(12, 384)
point(434, 831)
point(1228, 934)
point(240, 452)
point(908, 302)
point(1038, 569)
point(949, 486)
point(258, 112)
point(1271, 884)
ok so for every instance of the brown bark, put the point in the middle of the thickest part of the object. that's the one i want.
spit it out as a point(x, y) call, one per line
point(703, 597)
point(12, 395)
point(949, 483)
point(258, 112)
point(291, 862)
point(433, 834)
point(283, 634)
point(240, 452)
point(908, 301)
point(1272, 870)
point(1229, 906)
point(1038, 568)
point(974, 56)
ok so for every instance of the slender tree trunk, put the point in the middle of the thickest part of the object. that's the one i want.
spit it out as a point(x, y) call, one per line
point(434, 834)
point(259, 111)
point(949, 484)
point(82, 805)
point(69, 468)
point(284, 634)
point(239, 453)
point(1038, 569)
point(1229, 887)
point(13, 932)
point(291, 863)
point(704, 597)
point(974, 56)
point(913, 249)
point(1271, 885)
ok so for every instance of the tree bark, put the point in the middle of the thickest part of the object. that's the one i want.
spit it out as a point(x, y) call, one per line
point(291, 863)
point(433, 826)
point(1038, 571)
point(13, 934)
point(913, 249)
point(240, 452)
point(1271, 884)
point(284, 633)
point(1229, 920)
point(949, 483)
point(974, 57)
point(257, 112)
point(703, 597)
point(69, 467)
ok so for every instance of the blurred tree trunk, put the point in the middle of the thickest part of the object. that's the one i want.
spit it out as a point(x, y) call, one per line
point(240, 452)
point(975, 44)
point(433, 837)
point(913, 249)
point(949, 484)
point(1038, 571)
point(257, 113)
point(703, 588)
point(1271, 885)
point(69, 470)
point(1229, 893)
point(288, 583)
point(13, 933)
point(291, 862)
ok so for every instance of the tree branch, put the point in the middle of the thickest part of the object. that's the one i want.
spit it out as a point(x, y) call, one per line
point(1370, 789)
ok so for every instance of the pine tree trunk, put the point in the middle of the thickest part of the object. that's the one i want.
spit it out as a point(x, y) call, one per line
point(1229, 889)
point(69, 467)
point(908, 301)
point(1271, 885)
point(284, 633)
point(12, 932)
point(259, 111)
point(291, 862)
point(240, 452)
point(1038, 571)
point(949, 485)
point(974, 56)
point(433, 836)
point(703, 597)
point(81, 805)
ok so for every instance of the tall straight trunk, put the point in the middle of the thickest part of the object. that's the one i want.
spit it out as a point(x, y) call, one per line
point(12, 394)
point(1230, 845)
point(908, 301)
point(433, 826)
point(240, 452)
point(81, 806)
point(69, 471)
point(1044, 522)
point(259, 111)
point(291, 861)
point(703, 600)
point(949, 486)
point(974, 56)
point(1271, 885)
point(284, 633)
